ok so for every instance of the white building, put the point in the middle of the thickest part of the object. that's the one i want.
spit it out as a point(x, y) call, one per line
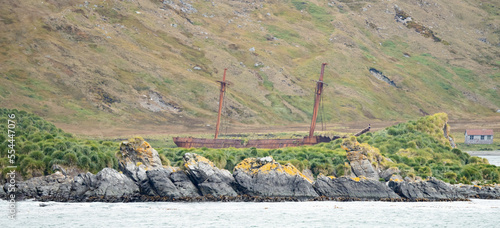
point(478, 136)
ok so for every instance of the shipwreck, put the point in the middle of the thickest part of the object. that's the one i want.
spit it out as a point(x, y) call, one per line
point(189, 142)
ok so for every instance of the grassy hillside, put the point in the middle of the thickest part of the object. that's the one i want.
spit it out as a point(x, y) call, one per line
point(125, 63)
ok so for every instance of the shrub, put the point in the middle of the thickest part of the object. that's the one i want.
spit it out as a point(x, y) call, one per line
point(37, 155)
point(471, 173)
point(70, 159)
point(84, 162)
point(450, 175)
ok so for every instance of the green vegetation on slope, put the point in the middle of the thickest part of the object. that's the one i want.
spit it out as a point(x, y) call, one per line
point(416, 148)
point(39, 145)
point(421, 148)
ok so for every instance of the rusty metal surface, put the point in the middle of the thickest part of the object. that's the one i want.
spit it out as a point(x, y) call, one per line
point(259, 143)
point(239, 143)
point(221, 99)
point(317, 99)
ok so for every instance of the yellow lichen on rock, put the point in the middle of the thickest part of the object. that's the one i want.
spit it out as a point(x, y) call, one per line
point(243, 165)
point(268, 167)
point(265, 165)
point(358, 179)
point(292, 170)
point(137, 152)
point(195, 158)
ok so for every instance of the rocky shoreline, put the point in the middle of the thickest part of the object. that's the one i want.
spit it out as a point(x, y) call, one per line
point(142, 178)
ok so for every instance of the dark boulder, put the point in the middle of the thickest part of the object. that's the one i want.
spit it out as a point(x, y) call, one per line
point(107, 183)
point(267, 178)
point(430, 189)
point(353, 188)
point(388, 173)
point(209, 179)
point(481, 192)
point(169, 182)
point(55, 185)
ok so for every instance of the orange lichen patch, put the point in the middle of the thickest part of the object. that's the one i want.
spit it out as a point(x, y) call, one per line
point(268, 167)
point(358, 179)
point(253, 166)
point(331, 177)
point(477, 186)
point(244, 165)
point(140, 148)
point(292, 170)
point(138, 164)
point(197, 159)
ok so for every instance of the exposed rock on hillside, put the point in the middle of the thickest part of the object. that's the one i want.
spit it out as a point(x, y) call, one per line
point(353, 188)
point(136, 157)
point(266, 177)
point(155, 102)
point(209, 179)
point(380, 76)
point(403, 17)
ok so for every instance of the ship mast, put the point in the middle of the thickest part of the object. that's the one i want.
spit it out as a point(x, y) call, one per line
point(319, 90)
point(221, 99)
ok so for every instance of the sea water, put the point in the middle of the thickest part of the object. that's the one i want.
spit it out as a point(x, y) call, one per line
point(474, 213)
point(493, 159)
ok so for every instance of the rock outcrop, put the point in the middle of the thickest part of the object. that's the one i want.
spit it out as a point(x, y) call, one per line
point(254, 179)
point(363, 159)
point(267, 178)
point(209, 179)
point(481, 192)
point(354, 188)
point(388, 173)
point(430, 189)
point(136, 157)
point(380, 76)
point(107, 183)
point(169, 182)
point(55, 185)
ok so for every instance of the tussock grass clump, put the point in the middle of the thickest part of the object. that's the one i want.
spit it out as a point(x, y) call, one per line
point(39, 145)
point(420, 147)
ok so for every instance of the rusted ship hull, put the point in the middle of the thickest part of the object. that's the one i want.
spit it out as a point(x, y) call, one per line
point(190, 142)
point(258, 143)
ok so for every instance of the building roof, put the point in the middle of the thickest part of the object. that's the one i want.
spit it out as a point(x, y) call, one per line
point(479, 131)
